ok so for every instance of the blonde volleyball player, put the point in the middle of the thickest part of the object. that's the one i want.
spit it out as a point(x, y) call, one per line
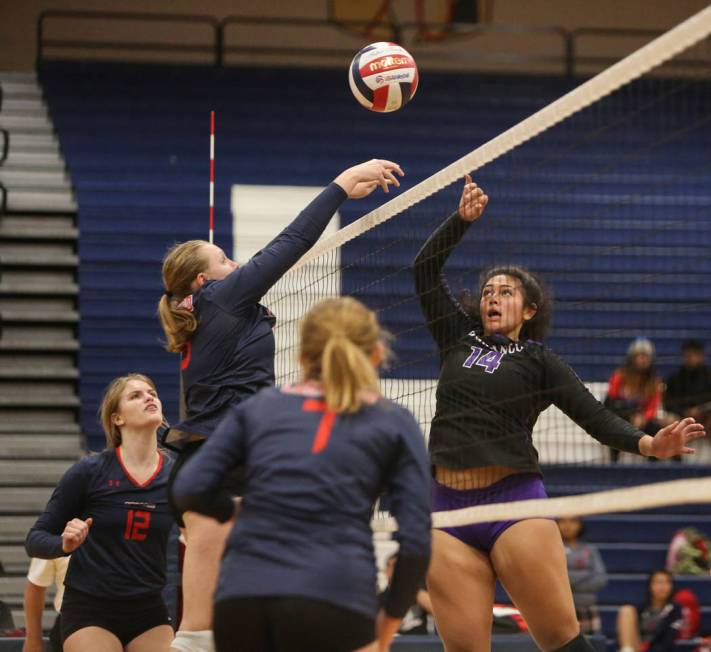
point(298, 574)
point(110, 512)
point(495, 379)
point(212, 315)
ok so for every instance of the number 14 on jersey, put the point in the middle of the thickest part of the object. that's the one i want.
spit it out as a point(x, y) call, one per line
point(490, 361)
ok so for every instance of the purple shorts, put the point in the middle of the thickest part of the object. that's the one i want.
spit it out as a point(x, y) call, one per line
point(483, 536)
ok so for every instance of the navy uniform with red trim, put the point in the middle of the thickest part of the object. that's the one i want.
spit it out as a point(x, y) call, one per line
point(230, 356)
point(124, 555)
point(313, 477)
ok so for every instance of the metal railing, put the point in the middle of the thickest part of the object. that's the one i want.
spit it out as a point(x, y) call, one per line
point(407, 33)
point(214, 47)
point(221, 45)
point(577, 35)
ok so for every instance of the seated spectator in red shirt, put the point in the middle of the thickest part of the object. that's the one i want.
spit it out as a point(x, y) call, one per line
point(655, 625)
point(635, 390)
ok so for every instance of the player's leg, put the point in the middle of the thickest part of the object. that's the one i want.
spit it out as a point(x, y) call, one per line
point(92, 639)
point(628, 628)
point(529, 559)
point(156, 639)
point(461, 585)
point(205, 543)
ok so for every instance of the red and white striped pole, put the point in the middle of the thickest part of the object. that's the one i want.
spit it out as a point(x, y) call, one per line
point(212, 176)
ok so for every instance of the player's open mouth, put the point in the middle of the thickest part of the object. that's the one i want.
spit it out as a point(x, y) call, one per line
point(152, 407)
point(493, 314)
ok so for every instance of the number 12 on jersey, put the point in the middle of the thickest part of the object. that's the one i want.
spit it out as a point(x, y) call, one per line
point(490, 360)
point(137, 524)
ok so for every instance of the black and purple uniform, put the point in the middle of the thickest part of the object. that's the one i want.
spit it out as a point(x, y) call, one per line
point(312, 478)
point(490, 393)
point(116, 576)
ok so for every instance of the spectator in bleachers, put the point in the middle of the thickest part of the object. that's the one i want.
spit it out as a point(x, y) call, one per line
point(634, 390)
point(688, 389)
point(42, 574)
point(654, 626)
point(586, 572)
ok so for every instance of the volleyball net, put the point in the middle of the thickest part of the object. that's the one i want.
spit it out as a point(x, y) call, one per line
point(604, 192)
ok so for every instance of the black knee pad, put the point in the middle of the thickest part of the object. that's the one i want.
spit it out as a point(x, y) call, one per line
point(577, 644)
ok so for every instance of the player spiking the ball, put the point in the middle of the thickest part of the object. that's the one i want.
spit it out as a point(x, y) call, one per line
point(211, 315)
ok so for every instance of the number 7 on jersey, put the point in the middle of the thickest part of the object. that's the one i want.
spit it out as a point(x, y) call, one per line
point(323, 432)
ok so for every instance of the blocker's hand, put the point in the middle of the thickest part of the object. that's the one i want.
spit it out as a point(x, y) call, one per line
point(473, 201)
point(360, 180)
point(672, 439)
point(75, 532)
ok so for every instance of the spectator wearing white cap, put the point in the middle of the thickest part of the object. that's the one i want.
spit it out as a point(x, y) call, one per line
point(635, 390)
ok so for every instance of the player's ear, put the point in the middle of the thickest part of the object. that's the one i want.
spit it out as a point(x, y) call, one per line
point(117, 419)
point(529, 312)
point(377, 355)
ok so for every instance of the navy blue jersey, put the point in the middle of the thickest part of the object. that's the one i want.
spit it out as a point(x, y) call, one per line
point(312, 479)
point(231, 355)
point(124, 554)
point(491, 390)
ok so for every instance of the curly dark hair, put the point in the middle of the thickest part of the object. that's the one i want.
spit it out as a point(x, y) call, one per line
point(536, 294)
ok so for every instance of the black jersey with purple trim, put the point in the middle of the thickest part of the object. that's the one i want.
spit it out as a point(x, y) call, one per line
point(231, 355)
point(312, 480)
point(491, 390)
point(124, 554)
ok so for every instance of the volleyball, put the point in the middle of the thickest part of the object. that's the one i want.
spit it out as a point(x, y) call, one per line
point(383, 77)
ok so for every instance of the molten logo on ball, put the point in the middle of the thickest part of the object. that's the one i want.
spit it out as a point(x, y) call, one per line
point(376, 90)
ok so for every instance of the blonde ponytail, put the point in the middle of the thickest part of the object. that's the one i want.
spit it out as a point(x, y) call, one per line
point(181, 265)
point(346, 371)
point(338, 340)
point(178, 324)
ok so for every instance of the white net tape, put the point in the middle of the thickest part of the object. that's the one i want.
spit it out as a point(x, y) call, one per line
point(655, 53)
point(647, 496)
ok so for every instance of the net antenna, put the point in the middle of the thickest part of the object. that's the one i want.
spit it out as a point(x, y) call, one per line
point(211, 236)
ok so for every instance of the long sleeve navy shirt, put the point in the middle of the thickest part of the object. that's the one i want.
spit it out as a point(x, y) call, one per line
point(312, 480)
point(231, 354)
point(124, 554)
point(491, 390)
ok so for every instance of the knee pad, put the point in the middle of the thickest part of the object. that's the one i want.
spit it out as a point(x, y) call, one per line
point(577, 644)
point(201, 641)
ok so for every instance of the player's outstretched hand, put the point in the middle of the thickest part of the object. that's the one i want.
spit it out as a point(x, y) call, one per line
point(672, 440)
point(75, 532)
point(360, 180)
point(473, 200)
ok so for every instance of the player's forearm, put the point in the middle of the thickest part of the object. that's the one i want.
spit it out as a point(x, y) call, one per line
point(34, 607)
point(437, 248)
point(308, 226)
point(44, 545)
